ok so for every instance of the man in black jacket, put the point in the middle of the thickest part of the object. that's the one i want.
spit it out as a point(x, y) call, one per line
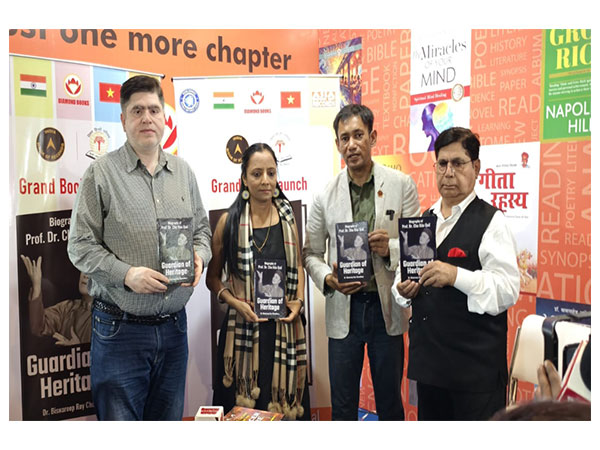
point(458, 328)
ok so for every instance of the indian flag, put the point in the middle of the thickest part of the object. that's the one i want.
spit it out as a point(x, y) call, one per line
point(223, 100)
point(33, 85)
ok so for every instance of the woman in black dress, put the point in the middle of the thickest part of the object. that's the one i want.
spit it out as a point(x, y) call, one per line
point(255, 367)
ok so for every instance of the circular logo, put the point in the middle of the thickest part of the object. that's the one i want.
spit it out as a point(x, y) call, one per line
point(458, 92)
point(73, 85)
point(280, 143)
point(189, 100)
point(236, 146)
point(50, 144)
point(98, 143)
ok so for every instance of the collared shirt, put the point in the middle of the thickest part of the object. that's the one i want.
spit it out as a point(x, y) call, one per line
point(113, 226)
point(363, 200)
point(495, 287)
point(363, 209)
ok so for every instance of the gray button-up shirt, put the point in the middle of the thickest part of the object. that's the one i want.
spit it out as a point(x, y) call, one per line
point(113, 226)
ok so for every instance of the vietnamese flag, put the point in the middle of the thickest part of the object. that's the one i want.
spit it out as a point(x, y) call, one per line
point(290, 99)
point(110, 92)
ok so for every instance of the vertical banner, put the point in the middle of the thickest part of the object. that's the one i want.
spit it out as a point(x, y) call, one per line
point(218, 118)
point(565, 224)
point(506, 70)
point(509, 181)
point(55, 321)
point(567, 85)
point(440, 83)
point(63, 115)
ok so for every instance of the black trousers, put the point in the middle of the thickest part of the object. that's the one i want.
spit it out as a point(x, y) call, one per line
point(437, 403)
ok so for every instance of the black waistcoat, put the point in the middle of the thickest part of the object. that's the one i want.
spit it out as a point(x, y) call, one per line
point(451, 347)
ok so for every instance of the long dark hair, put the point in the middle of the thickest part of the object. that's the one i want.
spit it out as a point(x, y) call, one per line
point(230, 233)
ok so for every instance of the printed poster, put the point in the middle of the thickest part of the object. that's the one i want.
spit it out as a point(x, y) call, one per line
point(54, 321)
point(344, 59)
point(567, 85)
point(440, 83)
point(509, 180)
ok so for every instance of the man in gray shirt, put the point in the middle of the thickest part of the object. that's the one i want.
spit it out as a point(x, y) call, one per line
point(139, 331)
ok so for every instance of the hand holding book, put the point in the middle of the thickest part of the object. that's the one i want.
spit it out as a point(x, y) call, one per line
point(345, 288)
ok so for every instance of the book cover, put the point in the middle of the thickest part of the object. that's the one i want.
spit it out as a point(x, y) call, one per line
point(269, 288)
point(239, 413)
point(176, 249)
point(353, 254)
point(417, 244)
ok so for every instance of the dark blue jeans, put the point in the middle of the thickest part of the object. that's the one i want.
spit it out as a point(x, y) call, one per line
point(138, 371)
point(386, 359)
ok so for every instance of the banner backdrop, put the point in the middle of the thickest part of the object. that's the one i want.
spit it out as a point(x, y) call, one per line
point(527, 86)
point(85, 113)
point(525, 91)
point(219, 117)
point(63, 115)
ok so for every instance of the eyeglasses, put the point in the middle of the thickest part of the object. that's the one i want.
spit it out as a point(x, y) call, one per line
point(139, 111)
point(457, 164)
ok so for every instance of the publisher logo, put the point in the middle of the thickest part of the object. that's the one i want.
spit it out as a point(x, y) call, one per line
point(458, 92)
point(50, 144)
point(189, 100)
point(280, 143)
point(73, 85)
point(257, 98)
point(236, 146)
point(257, 104)
point(323, 99)
point(98, 141)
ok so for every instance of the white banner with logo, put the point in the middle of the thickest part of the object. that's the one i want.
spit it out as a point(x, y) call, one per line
point(217, 119)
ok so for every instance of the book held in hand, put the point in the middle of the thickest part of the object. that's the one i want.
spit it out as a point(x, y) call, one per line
point(417, 245)
point(176, 249)
point(269, 288)
point(353, 254)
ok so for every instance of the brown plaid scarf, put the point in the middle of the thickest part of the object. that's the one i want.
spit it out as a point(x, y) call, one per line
point(241, 341)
